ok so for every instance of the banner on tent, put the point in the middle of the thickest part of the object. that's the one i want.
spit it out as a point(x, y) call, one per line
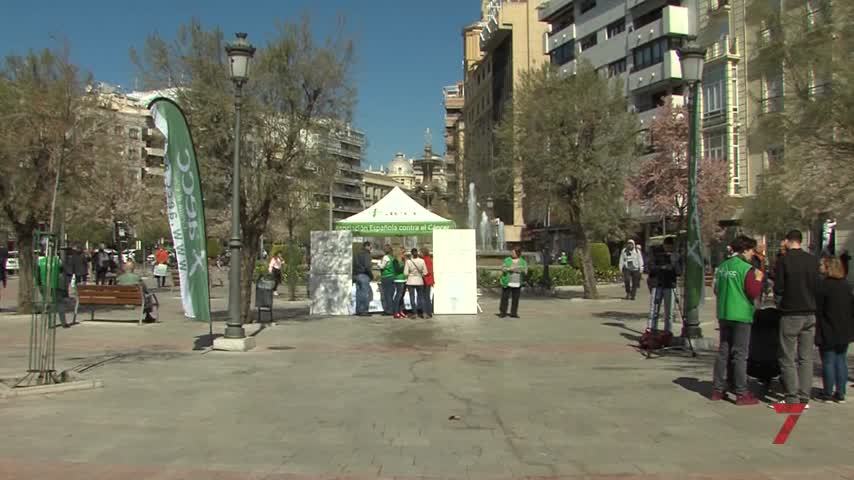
point(394, 229)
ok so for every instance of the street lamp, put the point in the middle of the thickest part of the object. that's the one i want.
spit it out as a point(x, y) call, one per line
point(692, 58)
point(240, 54)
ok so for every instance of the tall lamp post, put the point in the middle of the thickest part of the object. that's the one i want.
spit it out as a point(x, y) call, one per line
point(240, 54)
point(692, 58)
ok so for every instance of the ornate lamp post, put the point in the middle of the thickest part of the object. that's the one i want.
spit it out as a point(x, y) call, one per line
point(692, 58)
point(240, 54)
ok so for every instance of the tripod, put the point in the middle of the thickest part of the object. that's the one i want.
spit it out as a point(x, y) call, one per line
point(687, 345)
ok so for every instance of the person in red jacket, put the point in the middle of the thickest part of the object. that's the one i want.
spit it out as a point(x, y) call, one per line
point(429, 281)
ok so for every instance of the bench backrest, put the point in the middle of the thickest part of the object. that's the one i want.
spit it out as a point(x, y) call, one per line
point(110, 294)
point(176, 276)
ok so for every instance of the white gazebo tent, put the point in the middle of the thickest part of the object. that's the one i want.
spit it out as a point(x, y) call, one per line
point(396, 214)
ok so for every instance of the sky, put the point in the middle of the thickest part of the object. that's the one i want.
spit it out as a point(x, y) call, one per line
point(407, 50)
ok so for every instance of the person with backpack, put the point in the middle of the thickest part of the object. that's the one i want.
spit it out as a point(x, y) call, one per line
point(737, 284)
point(161, 266)
point(101, 265)
point(513, 271)
point(429, 281)
point(631, 264)
point(415, 269)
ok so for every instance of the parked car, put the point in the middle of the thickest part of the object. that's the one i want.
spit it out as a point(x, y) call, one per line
point(12, 266)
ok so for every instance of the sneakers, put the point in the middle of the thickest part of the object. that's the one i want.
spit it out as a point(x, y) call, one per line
point(275, 293)
point(717, 395)
point(746, 399)
point(838, 398)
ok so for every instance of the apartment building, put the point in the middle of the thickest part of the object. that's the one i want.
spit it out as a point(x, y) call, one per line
point(454, 101)
point(347, 145)
point(498, 49)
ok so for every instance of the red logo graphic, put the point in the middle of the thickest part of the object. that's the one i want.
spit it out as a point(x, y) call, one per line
point(794, 411)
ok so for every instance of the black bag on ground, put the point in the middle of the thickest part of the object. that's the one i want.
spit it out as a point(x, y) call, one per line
point(762, 362)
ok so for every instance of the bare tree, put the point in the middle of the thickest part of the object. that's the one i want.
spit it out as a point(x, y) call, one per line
point(298, 86)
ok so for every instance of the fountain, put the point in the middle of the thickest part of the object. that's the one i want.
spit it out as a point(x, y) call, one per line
point(485, 233)
point(472, 208)
point(500, 235)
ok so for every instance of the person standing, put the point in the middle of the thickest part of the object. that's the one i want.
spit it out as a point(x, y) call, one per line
point(275, 269)
point(514, 269)
point(429, 281)
point(663, 273)
point(362, 275)
point(101, 265)
point(737, 284)
point(795, 283)
point(835, 329)
point(564, 259)
point(399, 282)
point(631, 264)
point(161, 266)
point(415, 269)
point(387, 280)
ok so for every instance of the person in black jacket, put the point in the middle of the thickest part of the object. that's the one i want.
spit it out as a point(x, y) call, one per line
point(795, 282)
point(835, 328)
point(362, 275)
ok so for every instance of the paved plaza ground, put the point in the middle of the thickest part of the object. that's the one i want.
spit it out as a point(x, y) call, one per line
point(559, 393)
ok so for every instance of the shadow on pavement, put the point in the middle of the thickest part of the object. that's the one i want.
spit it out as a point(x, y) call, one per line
point(700, 387)
point(205, 341)
point(624, 316)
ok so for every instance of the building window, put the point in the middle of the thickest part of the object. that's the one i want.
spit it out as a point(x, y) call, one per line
point(736, 177)
point(774, 156)
point(119, 131)
point(616, 68)
point(587, 5)
point(772, 91)
point(563, 20)
point(563, 54)
point(733, 91)
point(713, 146)
point(712, 98)
point(133, 153)
point(616, 28)
point(588, 41)
point(133, 133)
point(652, 52)
point(648, 18)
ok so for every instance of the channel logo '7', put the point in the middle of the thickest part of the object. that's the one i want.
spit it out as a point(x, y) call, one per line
point(794, 411)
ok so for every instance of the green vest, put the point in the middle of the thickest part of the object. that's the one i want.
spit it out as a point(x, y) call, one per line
point(388, 271)
point(733, 303)
point(523, 270)
point(56, 282)
point(398, 271)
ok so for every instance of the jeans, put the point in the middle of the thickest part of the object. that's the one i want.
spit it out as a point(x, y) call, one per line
point(428, 302)
point(100, 277)
point(277, 278)
point(363, 293)
point(631, 279)
point(399, 290)
point(732, 356)
point(834, 369)
point(797, 333)
point(661, 295)
point(387, 291)
point(416, 298)
point(506, 293)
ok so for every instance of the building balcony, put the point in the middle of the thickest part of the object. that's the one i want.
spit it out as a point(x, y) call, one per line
point(725, 48)
point(673, 21)
point(155, 152)
point(454, 103)
point(718, 7)
point(634, 3)
point(549, 8)
point(350, 195)
point(668, 69)
point(569, 68)
point(354, 182)
point(347, 208)
point(556, 39)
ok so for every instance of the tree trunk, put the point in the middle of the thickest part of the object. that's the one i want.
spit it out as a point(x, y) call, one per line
point(587, 270)
point(26, 264)
point(251, 246)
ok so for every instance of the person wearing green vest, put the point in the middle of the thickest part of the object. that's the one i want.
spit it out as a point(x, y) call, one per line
point(514, 269)
point(399, 281)
point(737, 285)
point(564, 259)
point(387, 280)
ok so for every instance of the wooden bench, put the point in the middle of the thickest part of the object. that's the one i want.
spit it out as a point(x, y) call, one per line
point(111, 295)
point(176, 279)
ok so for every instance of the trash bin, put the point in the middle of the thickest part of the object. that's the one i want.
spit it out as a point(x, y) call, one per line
point(264, 297)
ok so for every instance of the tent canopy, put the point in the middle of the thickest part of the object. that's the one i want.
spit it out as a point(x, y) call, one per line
point(396, 214)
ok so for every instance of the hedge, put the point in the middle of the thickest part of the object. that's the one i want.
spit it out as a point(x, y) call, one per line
point(559, 275)
point(601, 257)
